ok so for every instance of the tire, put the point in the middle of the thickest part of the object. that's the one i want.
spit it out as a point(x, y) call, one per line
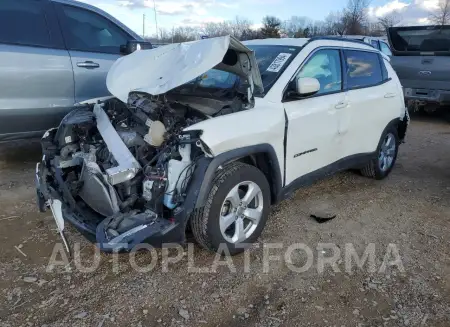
point(374, 169)
point(208, 223)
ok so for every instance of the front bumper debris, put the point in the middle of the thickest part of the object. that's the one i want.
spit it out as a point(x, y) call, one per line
point(51, 188)
point(51, 195)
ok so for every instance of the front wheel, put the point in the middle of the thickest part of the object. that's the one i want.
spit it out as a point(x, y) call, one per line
point(236, 210)
point(381, 165)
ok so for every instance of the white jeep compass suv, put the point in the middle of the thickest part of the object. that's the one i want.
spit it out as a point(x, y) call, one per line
point(209, 134)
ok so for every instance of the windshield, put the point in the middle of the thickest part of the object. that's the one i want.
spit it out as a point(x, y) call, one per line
point(420, 39)
point(272, 61)
point(213, 83)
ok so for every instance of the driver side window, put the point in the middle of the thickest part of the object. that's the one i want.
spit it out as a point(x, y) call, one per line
point(88, 31)
point(325, 66)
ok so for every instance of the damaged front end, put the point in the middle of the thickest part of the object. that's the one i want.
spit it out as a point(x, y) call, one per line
point(122, 173)
point(128, 170)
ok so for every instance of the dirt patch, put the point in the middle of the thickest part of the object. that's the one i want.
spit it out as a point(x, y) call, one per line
point(410, 209)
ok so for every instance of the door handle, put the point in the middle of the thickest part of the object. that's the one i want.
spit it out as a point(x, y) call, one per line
point(341, 105)
point(390, 95)
point(88, 64)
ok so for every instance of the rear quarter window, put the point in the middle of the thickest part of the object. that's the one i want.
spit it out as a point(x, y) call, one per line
point(363, 69)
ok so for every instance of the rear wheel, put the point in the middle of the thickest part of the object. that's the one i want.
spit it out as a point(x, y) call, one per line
point(236, 210)
point(381, 166)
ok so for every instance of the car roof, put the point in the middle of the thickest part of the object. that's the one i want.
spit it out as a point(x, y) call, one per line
point(354, 37)
point(282, 41)
point(335, 41)
point(300, 42)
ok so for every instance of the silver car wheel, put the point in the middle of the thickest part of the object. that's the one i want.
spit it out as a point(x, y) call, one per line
point(387, 152)
point(241, 212)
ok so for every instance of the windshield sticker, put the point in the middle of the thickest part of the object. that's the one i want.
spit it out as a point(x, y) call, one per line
point(278, 62)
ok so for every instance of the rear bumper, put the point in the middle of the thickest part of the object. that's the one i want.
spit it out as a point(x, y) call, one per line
point(440, 97)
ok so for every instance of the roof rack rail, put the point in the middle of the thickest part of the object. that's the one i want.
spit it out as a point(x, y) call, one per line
point(338, 38)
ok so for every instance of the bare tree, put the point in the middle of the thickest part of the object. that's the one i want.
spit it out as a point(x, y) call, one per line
point(271, 27)
point(217, 29)
point(231, 27)
point(336, 23)
point(183, 34)
point(441, 16)
point(355, 16)
point(240, 25)
point(390, 20)
point(250, 34)
point(295, 26)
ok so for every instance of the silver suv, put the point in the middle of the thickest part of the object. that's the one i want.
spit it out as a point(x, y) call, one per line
point(53, 54)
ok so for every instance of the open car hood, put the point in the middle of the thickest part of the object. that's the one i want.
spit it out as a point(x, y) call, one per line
point(160, 70)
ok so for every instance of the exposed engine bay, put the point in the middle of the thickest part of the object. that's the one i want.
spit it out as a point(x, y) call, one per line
point(131, 163)
point(120, 170)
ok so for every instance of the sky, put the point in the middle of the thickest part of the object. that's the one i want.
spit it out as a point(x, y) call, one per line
point(174, 13)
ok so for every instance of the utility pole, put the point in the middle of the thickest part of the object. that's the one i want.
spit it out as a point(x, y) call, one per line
point(143, 26)
point(156, 20)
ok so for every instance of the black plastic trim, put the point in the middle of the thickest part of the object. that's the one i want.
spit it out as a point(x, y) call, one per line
point(233, 155)
point(353, 161)
point(286, 130)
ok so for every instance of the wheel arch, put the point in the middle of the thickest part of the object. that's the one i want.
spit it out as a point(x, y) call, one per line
point(400, 124)
point(262, 156)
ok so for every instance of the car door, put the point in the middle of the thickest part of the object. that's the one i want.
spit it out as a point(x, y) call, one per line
point(36, 79)
point(94, 44)
point(373, 101)
point(312, 121)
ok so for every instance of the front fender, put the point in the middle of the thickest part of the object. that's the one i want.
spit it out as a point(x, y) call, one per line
point(237, 135)
point(263, 124)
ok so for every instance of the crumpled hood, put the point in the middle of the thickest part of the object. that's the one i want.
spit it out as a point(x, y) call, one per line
point(160, 70)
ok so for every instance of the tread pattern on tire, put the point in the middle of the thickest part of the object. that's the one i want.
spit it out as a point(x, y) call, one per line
point(199, 218)
point(369, 170)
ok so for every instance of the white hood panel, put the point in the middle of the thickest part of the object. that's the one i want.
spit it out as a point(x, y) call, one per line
point(160, 70)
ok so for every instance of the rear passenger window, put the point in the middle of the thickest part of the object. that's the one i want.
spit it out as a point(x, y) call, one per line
point(23, 22)
point(325, 66)
point(363, 69)
point(374, 43)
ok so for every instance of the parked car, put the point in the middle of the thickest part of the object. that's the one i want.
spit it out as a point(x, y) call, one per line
point(213, 132)
point(421, 60)
point(53, 54)
point(377, 42)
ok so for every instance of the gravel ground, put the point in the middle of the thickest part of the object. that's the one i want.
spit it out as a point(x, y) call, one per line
point(410, 209)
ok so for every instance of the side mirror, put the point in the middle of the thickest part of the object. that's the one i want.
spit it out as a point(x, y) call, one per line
point(135, 45)
point(305, 86)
